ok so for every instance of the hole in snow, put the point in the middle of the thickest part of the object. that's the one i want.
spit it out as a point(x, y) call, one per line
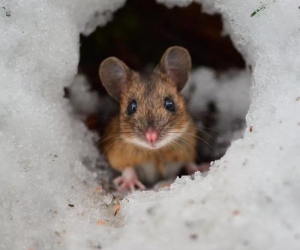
point(218, 90)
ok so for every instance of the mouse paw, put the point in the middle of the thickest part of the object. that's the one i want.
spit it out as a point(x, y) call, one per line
point(128, 181)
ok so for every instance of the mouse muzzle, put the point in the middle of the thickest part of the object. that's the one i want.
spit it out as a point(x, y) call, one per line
point(151, 135)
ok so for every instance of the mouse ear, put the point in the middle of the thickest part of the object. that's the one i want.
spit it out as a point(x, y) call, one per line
point(177, 63)
point(114, 75)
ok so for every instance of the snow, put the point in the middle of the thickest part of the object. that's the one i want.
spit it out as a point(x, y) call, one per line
point(230, 94)
point(83, 100)
point(49, 200)
point(43, 147)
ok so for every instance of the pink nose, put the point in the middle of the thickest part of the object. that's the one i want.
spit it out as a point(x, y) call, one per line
point(151, 135)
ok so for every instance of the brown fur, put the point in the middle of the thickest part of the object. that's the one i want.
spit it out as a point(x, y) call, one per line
point(149, 92)
point(122, 154)
point(150, 96)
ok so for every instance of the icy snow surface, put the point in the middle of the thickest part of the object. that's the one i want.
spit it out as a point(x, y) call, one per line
point(229, 94)
point(249, 200)
point(42, 147)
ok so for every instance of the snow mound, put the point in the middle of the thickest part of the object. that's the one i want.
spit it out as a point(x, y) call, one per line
point(44, 150)
point(83, 100)
point(228, 97)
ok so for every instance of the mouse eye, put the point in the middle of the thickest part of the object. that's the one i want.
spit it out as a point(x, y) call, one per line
point(131, 108)
point(169, 105)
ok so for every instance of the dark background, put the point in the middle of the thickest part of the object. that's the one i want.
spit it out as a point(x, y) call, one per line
point(142, 30)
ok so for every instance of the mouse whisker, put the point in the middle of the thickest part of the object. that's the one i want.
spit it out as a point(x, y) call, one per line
point(191, 134)
point(113, 143)
point(193, 147)
point(186, 143)
point(183, 149)
point(200, 130)
point(210, 129)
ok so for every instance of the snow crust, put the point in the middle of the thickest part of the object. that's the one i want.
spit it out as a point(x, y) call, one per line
point(49, 200)
point(83, 100)
point(44, 150)
point(229, 93)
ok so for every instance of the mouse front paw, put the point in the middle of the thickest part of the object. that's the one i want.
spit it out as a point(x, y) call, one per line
point(128, 181)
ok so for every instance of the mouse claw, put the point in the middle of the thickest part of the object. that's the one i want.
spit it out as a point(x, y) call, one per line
point(117, 180)
point(128, 181)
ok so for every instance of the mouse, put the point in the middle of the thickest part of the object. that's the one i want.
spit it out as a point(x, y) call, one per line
point(153, 124)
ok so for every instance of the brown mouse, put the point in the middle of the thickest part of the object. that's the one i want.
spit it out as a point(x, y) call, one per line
point(153, 125)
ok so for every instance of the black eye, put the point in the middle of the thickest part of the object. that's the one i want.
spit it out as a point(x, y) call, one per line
point(169, 105)
point(131, 108)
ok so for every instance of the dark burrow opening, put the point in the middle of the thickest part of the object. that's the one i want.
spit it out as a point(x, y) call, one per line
point(139, 34)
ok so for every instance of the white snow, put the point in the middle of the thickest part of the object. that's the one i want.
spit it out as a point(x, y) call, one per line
point(230, 94)
point(43, 148)
point(83, 100)
point(250, 198)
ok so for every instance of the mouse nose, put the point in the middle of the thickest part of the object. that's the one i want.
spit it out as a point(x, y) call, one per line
point(151, 135)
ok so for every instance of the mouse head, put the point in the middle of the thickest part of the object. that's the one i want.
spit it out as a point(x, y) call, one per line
point(152, 111)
